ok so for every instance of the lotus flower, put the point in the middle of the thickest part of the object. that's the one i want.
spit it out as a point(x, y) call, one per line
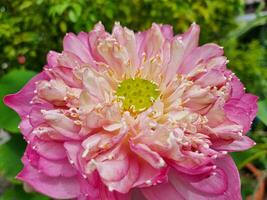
point(148, 115)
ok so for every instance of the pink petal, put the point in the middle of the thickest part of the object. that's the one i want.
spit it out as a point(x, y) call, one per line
point(113, 170)
point(20, 102)
point(52, 57)
point(193, 170)
point(67, 75)
point(128, 180)
point(83, 37)
point(73, 149)
point(250, 101)
point(152, 157)
point(127, 38)
point(50, 150)
point(162, 192)
point(152, 42)
point(237, 87)
point(211, 78)
point(137, 195)
point(214, 188)
point(56, 168)
point(243, 144)
point(199, 55)
point(177, 50)
point(218, 63)
point(234, 186)
point(72, 44)
point(190, 38)
point(214, 184)
point(108, 195)
point(70, 60)
point(150, 176)
point(90, 187)
point(94, 36)
point(58, 187)
point(64, 125)
point(25, 127)
point(35, 116)
point(237, 114)
point(167, 31)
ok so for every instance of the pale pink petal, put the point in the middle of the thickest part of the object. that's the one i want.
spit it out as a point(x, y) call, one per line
point(113, 170)
point(177, 50)
point(152, 157)
point(167, 31)
point(62, 124)
point(200, 55)
point(126, 183)
point(95, 36)
point(152, 42)
point(66, 74)
point(69, 60)
point(72, 44)
point(126, 38)
point(190, 38)
point(52, 58)
point(212, 78)
point(83, 37)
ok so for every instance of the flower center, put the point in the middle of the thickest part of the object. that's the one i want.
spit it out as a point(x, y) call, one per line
point(137, 94)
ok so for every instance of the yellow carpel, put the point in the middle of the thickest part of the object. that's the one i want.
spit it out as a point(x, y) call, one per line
point(137, 94)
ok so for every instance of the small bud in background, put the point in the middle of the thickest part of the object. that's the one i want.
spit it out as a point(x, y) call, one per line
point(21, 59)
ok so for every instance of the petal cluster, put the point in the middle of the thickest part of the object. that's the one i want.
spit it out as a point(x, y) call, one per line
point(85, 142)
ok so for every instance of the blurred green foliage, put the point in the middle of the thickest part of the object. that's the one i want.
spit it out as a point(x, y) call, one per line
point(32, 28)
point(29, 29)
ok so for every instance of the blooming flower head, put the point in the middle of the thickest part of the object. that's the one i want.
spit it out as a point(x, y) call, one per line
point(148, 115)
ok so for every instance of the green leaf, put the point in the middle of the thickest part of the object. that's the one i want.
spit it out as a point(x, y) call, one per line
point(245, 157)
point(17, 193)
point(247, 26)
point(72, 16)
point(11, 83)
point(262, 113)
point(10, 154)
